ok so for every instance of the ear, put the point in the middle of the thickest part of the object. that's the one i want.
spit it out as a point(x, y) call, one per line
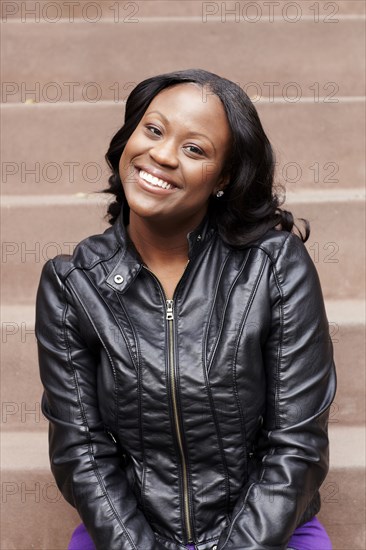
point(222, 183)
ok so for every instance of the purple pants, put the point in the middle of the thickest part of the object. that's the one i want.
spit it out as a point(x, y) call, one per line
point(309, 536)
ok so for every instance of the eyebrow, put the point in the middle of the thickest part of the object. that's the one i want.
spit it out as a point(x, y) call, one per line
point(191, 133)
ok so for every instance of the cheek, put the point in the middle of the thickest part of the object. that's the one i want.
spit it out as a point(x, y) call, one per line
point(120, 167)
point(209, 177)
point(124, 164)
point(135, 146)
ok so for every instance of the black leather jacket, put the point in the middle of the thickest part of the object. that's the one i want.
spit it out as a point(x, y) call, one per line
point(201, 419)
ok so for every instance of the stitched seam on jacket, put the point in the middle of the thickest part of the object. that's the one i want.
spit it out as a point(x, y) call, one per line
point(279, 351)
point(82, 410)
point(96, 262)
point(144, 499)
point(207, 383)
point(242, 509)
point(242, 325)
point(114, 317)
point(263, 469)
point(141, 433)
point(280, 340)
point(134, 333)
point(270, 255)
point(204, 349)
point(139, 393)
point(139, 396)
point(237, 515)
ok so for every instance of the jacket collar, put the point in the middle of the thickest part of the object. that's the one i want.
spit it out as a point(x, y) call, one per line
point(130, 263)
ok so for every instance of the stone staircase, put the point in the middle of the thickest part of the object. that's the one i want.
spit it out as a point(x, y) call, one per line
point(67, 69)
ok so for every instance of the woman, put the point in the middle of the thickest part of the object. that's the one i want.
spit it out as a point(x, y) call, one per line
point(185, 353)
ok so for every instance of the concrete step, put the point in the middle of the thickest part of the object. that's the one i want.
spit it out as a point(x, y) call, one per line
point(63, 145)
point(34, 513)
point(331, 50)
point(127, 11)
point(343, 494)
point(35, 229)
point(21, 388)
point(347, 330)
point(31, 499)
point(38, 228)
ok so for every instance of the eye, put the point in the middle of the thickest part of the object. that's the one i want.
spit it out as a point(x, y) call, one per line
point(153, 130)
point(195, 150)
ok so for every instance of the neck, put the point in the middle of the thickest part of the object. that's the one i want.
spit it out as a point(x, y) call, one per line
point(160, 244)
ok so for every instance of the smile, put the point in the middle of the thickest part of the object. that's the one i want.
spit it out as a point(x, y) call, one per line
point(153, 180)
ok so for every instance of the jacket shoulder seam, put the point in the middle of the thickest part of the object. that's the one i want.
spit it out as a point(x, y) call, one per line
point(66, 263)
point(273, 257)
point(280, 345)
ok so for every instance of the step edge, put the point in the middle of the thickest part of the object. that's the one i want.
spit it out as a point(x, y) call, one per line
point(12, 442)
point(263, 100)
point(354, 17)
point(353, 194)
point(349, 312)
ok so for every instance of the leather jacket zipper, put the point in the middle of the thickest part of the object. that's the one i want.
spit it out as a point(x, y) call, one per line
point(172, 377)
point(169, 304)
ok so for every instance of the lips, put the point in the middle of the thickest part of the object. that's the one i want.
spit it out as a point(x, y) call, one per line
point(156, 178)
point(153, 180)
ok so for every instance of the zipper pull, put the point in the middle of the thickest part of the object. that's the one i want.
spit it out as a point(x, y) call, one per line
point(169, 310)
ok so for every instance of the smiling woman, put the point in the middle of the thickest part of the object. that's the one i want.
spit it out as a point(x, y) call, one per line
point(173, 162)
point(175, 142)
point(185, 353)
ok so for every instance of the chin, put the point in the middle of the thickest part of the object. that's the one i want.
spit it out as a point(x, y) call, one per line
point(146, 211)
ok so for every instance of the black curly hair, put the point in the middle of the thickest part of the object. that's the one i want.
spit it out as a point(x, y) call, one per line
point(250, 205)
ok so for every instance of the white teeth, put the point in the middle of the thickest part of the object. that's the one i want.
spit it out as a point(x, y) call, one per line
point(154, 180)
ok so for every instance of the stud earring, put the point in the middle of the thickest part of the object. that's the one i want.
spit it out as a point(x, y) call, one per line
point(219, 193)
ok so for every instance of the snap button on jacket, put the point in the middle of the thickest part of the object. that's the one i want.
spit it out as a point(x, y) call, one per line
point(201, 419)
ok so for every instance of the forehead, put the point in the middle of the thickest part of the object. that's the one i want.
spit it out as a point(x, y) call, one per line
point(192, 107)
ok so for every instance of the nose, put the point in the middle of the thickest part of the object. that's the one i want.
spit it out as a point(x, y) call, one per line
point(164, 152)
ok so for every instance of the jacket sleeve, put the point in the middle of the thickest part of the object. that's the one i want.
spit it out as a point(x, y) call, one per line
point(84, 459)
point(292, 452)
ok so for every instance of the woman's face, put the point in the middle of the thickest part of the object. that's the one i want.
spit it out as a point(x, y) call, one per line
point(174, 159)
